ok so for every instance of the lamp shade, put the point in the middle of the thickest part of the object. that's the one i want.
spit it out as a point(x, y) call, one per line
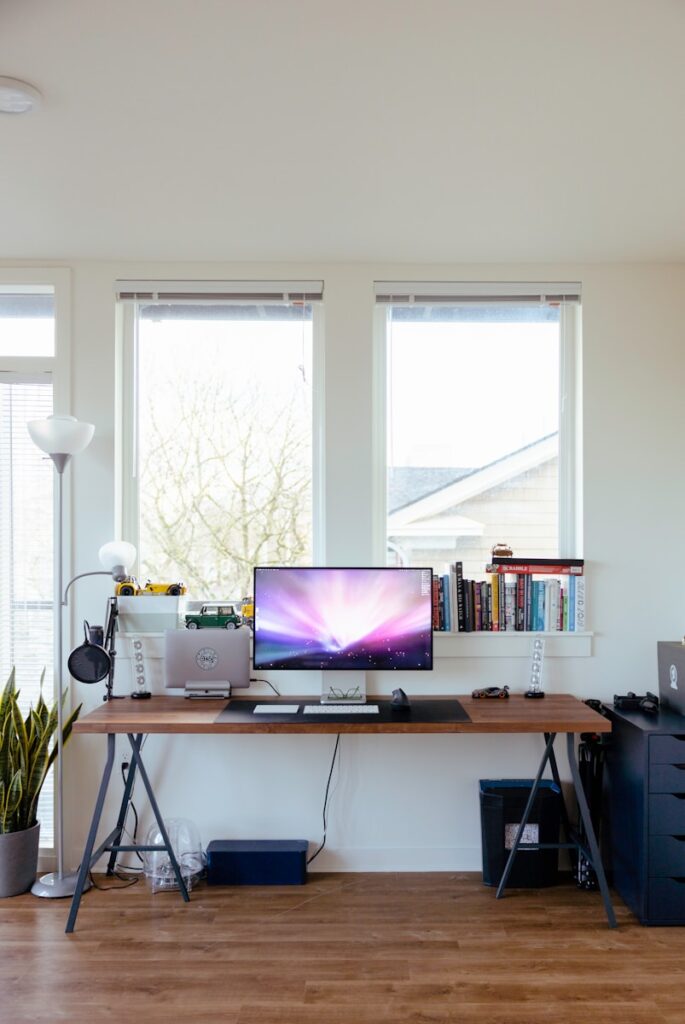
point(117, 554)
point(61, 435)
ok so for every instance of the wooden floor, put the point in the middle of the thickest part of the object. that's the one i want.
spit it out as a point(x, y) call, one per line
point(344, 949)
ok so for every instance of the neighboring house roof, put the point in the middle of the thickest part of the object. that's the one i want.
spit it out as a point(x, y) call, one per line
point(406, 484)
point(472, 482)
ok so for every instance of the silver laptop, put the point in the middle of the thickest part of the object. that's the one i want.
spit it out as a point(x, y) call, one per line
point(207, 662)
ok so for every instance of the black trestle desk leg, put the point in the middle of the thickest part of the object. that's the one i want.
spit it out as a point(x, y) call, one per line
point(526, 814)
point(92, 834)
point(565, 823)
point(589, 830)
point(123, 810)
point(135, 752)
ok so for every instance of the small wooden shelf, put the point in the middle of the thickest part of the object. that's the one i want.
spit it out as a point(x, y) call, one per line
point(510, 644)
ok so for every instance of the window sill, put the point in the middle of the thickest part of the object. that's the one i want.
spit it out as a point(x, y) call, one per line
point(510, 645)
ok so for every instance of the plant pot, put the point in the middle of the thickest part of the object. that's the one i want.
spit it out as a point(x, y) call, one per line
point(18, 860)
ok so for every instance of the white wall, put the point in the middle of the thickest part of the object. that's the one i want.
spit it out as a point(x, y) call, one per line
point(401, 802)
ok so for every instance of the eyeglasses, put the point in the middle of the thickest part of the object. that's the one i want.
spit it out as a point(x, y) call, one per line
point(352, 694)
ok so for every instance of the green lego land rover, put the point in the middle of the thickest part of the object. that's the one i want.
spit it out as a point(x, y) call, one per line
point(214, 616)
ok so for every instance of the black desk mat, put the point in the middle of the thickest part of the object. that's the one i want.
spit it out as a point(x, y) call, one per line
point(419, 712)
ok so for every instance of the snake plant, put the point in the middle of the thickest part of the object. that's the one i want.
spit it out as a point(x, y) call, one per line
point(26, 755)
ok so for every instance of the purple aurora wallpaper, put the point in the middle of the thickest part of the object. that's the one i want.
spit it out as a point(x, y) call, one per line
point(343, 618)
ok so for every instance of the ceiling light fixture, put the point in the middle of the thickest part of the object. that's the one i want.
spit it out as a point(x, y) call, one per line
point(17, 97)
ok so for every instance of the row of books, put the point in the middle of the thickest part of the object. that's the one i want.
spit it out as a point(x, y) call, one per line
point(512, 599)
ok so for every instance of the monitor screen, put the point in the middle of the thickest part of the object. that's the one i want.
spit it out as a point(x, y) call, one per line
point(343, 618)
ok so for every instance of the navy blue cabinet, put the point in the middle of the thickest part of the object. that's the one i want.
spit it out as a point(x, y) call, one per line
point(645, 814)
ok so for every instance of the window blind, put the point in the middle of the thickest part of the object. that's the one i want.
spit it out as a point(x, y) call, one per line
point(220, 291)
point(26, 553)
point(477, 292)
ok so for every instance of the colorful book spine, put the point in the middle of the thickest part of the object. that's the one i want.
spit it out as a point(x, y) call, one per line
point(572, 604)
point(447, 611)
point(509, 606)
point(520, 602)
point(461, 619)
point(494, 583)
point(554, 602)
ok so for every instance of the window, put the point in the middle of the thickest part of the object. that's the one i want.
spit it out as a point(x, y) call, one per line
point(479, 424)
point(27, 336)
point(219, 458)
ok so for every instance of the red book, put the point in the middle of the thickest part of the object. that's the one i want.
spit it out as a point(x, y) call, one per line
point(532, 568)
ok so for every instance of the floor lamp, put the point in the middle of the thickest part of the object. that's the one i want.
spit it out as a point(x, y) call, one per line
point(60, 437)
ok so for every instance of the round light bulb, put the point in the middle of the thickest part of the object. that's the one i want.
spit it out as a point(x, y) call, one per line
point(117, 555)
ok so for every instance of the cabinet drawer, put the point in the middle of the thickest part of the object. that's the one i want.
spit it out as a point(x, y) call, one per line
point(666, 814)
point(667, 749)
point(667, 856)
point(667, 778)
point(666, 900)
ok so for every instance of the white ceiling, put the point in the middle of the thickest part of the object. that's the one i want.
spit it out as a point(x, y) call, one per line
point(403, 130)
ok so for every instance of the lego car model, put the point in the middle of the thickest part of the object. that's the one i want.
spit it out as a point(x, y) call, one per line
point(214, 616)
point(130, 587)
point(247, 611)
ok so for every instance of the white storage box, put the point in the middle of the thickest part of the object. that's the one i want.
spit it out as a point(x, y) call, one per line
point(150, 613)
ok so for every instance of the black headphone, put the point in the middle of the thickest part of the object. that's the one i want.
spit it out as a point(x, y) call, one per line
point(631, 702)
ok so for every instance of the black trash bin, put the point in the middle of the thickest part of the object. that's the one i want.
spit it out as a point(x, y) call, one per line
point(502, 803)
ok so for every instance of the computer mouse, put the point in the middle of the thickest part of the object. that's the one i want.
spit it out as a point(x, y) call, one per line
point(399, 699)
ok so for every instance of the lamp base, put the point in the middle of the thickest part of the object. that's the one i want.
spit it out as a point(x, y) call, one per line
point(52, 886)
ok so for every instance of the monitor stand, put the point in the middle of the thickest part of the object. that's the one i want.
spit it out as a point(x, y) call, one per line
point(343, 687)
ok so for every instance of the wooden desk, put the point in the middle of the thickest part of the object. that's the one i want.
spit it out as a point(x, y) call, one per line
point(557, 713)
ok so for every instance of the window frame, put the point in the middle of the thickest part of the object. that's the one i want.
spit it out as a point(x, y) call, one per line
point(570, 494)
point(57, 368)
point(127, 494)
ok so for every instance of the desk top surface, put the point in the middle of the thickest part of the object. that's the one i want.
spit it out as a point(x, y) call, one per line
point(559, 712)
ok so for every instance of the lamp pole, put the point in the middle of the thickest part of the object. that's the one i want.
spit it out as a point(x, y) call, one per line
point(60, 437)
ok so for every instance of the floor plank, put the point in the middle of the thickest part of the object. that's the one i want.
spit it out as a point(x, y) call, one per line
point(344, 949)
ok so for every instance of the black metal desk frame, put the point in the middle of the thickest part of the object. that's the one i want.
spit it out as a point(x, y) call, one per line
point(112, 843)
point(573, 841)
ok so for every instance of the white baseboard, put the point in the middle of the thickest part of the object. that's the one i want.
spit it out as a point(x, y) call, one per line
point(399, 859)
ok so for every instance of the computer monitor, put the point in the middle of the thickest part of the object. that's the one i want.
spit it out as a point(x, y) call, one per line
point(343, 620)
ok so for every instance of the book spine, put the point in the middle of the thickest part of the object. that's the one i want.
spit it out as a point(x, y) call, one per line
point(520, 601)
point(454, 615)
point(436, 604)
point(548, 604)
point(532, 569)
point(487, 606)
point(459, 573)
point(528, 619)
point(510, 606)
point(512, 560)
point(468, 607)
point(580, 606)
point(571, 604)
point(494, 584)
point(447, 610)
point(564, 621)
point(554, 588)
